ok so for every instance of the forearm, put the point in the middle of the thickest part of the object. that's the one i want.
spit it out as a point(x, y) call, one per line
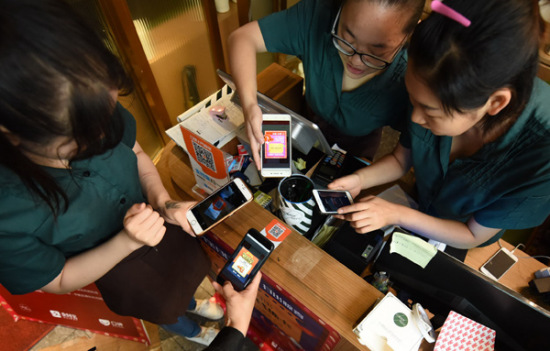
point(91, 265)
point(244, 44)
point(151, 183)
point(451, 232)
point(388, 169)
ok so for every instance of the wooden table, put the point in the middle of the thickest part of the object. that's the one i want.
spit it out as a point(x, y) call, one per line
point(518, 277)
point(326, 287)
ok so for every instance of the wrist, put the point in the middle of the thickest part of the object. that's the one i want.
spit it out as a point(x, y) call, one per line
point(361, 178)
point(240, 326)
point(127, 241)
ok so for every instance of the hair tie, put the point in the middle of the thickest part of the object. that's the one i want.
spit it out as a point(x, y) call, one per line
point(441, 8)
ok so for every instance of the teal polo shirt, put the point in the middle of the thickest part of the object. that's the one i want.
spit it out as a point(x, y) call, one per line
point(304, 31)
point(34, 246)
point(506, 184)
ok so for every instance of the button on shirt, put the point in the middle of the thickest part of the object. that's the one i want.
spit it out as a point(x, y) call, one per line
point(34, 246)
point(506, 184)
point(304, 31)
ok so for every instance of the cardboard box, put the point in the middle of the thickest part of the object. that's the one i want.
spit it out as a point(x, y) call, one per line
point(80, 309)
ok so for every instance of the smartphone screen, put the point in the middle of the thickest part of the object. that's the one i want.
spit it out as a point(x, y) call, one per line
point(218, 205)
point(247, 260)
point(499, 264)
point(331, 201)
point(275, 150)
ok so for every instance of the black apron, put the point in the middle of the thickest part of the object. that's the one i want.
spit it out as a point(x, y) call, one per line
point(157, 284)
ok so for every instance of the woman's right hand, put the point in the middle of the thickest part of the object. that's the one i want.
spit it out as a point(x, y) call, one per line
point(143, 225)
point(254, 118)
point(351, 183)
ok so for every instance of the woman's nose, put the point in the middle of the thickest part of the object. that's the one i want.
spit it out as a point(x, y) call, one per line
point(356, 60)
point(417, 116)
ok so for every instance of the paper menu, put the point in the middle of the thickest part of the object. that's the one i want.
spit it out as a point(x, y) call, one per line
point(463, 334)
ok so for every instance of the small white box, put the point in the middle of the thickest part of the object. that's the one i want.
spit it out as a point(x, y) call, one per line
point(390, 325)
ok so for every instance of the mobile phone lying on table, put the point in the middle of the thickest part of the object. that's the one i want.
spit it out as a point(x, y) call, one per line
point(246, 261)
point(329, 201)
point(276, 151)
point(219, 205)
point(499, 264)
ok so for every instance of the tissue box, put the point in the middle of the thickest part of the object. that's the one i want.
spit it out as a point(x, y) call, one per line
point(463, 334)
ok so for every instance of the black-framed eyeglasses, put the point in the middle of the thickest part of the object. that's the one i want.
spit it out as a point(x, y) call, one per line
point(347, 49)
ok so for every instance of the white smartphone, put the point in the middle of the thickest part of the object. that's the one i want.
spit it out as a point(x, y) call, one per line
point(499, 264)
point(276, 151)
point(219, 205)
point(329, 201)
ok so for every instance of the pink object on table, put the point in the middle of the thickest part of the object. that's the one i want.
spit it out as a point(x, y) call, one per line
point(463, 334)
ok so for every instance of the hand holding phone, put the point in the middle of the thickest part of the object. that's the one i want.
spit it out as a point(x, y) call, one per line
point(276, 149)
point(219, 205)
point(329, 201)
point(249, 256)
point(499, 264)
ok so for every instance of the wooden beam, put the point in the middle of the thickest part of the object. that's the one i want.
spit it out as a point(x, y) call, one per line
point(120, 22)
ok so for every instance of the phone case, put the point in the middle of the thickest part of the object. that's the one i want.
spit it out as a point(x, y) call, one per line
point(256, 235)
point(193, 221)
point(495, 269)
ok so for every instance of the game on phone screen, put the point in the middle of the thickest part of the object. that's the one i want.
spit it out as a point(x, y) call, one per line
point(275, 149)
point(250, 256)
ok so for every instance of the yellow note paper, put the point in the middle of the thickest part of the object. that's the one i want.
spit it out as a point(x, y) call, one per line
point(413, 248)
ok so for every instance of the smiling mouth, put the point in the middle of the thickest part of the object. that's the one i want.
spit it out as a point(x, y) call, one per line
point(354, 70)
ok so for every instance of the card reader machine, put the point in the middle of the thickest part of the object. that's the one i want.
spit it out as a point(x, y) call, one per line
point(329, 169)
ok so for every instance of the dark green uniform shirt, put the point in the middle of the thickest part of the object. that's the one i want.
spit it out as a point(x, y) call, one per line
point(506, 184)
point(34, 246)
point(304, 31)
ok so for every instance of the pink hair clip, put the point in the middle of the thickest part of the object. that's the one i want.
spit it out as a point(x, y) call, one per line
point(439, 7)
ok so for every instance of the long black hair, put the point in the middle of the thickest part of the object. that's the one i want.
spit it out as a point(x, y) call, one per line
point(463, 66)
point(55, 81)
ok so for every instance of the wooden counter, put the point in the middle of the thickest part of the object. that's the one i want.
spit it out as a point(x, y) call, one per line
point(326, 287)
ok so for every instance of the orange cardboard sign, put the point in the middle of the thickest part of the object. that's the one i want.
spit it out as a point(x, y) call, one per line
point(210, 158)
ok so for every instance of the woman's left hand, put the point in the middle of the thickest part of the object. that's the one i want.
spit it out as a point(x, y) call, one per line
point(369, 213)
point(175, 212)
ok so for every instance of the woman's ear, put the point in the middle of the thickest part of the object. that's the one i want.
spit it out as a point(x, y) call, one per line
point(499, 100)
point(12, 138)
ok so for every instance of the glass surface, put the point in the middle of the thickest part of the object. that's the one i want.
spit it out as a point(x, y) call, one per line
point(174, 36)
point(147, 135)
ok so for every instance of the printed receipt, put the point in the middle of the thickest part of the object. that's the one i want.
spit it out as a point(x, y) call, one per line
point(413, 248)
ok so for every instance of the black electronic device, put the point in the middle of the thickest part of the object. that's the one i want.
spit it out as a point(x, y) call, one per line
point(246, 261)
point(329, 169)
point(352, 249)
point(448, 284)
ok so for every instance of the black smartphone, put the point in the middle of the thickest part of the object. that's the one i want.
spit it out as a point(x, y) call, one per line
point(246, 261)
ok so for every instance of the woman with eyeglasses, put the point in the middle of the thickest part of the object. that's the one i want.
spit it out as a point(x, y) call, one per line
point(479, 132)
point(353, 64)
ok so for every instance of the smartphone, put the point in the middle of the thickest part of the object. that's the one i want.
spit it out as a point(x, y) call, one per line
point(218, 206)
point(276, 150)
point(329, 201)
point(499, 264)
point(246, 261)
